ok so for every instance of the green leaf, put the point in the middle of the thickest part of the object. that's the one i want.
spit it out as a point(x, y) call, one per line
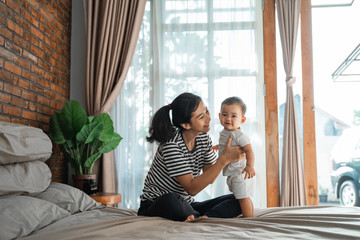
point(106, 147)
point(55, 132)
point(112, 144)
point(90, 119)
point(72, 119)
point(90, 132)
point(72, 155)
point(108, 128)
point(83, 139)
point(89, 162)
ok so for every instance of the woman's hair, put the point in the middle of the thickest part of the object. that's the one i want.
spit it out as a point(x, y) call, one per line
point(235, 100)
point(161, 128)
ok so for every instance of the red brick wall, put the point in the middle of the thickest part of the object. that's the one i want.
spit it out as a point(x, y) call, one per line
point(35, 65)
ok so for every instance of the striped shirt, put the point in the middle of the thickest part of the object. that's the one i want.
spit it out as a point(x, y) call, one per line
point(173, 159)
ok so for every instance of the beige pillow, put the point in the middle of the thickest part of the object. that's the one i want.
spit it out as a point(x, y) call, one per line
point(21, 215)
point(26, 177)
point(20, 143)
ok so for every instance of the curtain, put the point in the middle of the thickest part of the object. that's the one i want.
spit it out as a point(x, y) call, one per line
point(292, 175)
point(212, 48)
point(112, 32)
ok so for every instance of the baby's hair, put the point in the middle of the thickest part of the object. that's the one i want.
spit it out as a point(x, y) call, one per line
point(235, 100)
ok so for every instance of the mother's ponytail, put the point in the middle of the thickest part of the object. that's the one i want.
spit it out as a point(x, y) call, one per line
point(161, 129)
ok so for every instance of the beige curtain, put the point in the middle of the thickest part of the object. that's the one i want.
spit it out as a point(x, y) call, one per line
point(112, 32)
point(292, 175)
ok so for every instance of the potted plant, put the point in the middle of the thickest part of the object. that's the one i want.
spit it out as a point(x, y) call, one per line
point(323, 193)
point(82, 139)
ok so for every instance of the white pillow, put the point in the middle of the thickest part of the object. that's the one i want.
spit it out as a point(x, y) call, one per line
point(68, 198)
point(21, 215)
point(20, 143)
point(26, 177)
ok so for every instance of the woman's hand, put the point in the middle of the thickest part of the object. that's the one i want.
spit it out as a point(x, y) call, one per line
point(194, 185)
point(232, 153)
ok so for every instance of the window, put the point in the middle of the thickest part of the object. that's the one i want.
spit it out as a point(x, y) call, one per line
point(336, 89)
point(212, 48)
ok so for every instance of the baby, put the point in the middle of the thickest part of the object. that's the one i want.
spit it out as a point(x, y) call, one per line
point(241, 174)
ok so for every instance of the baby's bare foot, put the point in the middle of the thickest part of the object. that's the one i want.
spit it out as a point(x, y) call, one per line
point(189, 218)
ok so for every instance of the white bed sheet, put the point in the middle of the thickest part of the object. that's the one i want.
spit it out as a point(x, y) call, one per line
point(318, 222)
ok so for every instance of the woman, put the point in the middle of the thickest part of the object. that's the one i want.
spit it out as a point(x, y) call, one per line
point(175, 173)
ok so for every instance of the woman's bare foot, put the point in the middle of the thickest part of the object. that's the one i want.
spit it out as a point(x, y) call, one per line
point(189, 218)
point(199, 218)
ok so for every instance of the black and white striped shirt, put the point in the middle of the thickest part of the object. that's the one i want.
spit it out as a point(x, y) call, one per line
point(173, 159)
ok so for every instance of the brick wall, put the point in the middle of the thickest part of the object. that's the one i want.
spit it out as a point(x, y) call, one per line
point(35, 65)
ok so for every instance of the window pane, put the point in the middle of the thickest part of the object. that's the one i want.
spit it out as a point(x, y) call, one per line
point(233, 4)
point(233, 11)
point(231, 47)
point(191, 84)
point(336, 102)
point(184, 11)
point(243, 87)
point(185, 53)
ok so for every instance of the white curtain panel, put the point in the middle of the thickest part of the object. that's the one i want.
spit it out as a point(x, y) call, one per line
point(212, 48)
point(292, 176)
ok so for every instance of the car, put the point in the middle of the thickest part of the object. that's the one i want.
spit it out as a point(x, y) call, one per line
point(345, 167)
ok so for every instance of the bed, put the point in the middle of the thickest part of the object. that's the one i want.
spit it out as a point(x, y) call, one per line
point(34, 207)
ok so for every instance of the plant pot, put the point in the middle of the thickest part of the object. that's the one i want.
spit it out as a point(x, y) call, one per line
point(79, 181)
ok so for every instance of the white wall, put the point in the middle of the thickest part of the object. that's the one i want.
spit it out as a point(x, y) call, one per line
point(78, 58)
point(78, 52)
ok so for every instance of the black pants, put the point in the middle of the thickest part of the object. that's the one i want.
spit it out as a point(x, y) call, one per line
point(173, 206)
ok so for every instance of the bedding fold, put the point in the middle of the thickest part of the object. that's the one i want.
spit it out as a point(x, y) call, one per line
point(20, 143)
